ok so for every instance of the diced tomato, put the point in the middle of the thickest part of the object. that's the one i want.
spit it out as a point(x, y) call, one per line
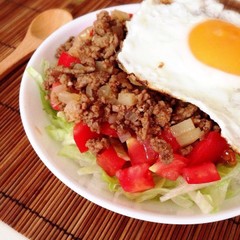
point(81, 134)
point(202, 173)
point(137, 152)
point(151, 155)
point(210, 149)
point(66, 60)
point(109, 161)
point(167, 135)
point(136, 178)
point(106, 129)
point(172, 170)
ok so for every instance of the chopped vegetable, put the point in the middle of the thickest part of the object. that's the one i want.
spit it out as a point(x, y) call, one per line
point(202, 201)
point(167, 135)
point(189, 137)
point(119, 148)
point(138, 152)
point(107, 129)
point(127, 99)
point(172, 170)
point(110, 161)
point(135, 178)
point(82, 133)
point(182, 127)
point(57, 87)
point(210, 149)
point(203, 173)
point(67, 60)
point(185, 132)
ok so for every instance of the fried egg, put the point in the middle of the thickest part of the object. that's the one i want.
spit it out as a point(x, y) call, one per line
point(190, 50)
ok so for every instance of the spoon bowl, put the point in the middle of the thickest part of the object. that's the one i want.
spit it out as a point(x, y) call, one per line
point(39, 29)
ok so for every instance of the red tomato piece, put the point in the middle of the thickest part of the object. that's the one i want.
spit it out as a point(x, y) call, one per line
point(138, 152)
point(151, 155)
point(66, 60)
point(167, 135)
point(109, 161)
point(202, 173)
point(106, 129)
point(210, 149)
point(172, 170)
point(81, 134)
point(136, 178)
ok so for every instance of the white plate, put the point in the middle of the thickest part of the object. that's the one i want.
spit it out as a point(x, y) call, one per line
point(35, 119)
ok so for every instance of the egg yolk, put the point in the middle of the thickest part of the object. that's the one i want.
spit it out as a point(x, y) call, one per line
point(217, 44)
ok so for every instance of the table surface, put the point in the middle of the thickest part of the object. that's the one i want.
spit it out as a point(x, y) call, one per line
point(33, 201)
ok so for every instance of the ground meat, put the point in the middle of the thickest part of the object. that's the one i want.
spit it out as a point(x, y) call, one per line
point(93, 80)
point(164, 149)
point(186, 150)
point(98, 80)
point(65, 47)
point(204, 124)
point(183, 111)
point(96, 145)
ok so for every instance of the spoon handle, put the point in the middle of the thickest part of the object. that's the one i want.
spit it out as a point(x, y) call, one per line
point(18, 56)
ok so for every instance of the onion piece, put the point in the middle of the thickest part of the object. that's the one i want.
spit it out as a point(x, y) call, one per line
point(71, 111)
point(189, 137)
point(123, 137)
point(100, 66)
point(104, 91)
point(182, 127)
point(59, 88)
point(127, 99)
point(86, 33)
point(67, 97)
point(89, 91)
point(118, 147)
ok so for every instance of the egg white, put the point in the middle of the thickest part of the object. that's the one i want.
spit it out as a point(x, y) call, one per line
point(156, 50)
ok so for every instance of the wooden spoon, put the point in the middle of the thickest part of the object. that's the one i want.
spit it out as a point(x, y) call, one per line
point(40, 28)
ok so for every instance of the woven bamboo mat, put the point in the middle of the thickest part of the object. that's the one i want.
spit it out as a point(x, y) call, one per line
point(33, 201)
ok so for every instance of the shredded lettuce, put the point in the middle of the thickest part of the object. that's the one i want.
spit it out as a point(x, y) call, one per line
point(112, 182)
point(60, 130)
point(39, 78)
point(183, 201)
point(71, 152)
point(202, 201)
point(208, 196)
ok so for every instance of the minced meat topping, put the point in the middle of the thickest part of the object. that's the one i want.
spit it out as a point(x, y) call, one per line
point(100, 91)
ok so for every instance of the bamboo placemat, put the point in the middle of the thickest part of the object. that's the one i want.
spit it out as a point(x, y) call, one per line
point(33, 201)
